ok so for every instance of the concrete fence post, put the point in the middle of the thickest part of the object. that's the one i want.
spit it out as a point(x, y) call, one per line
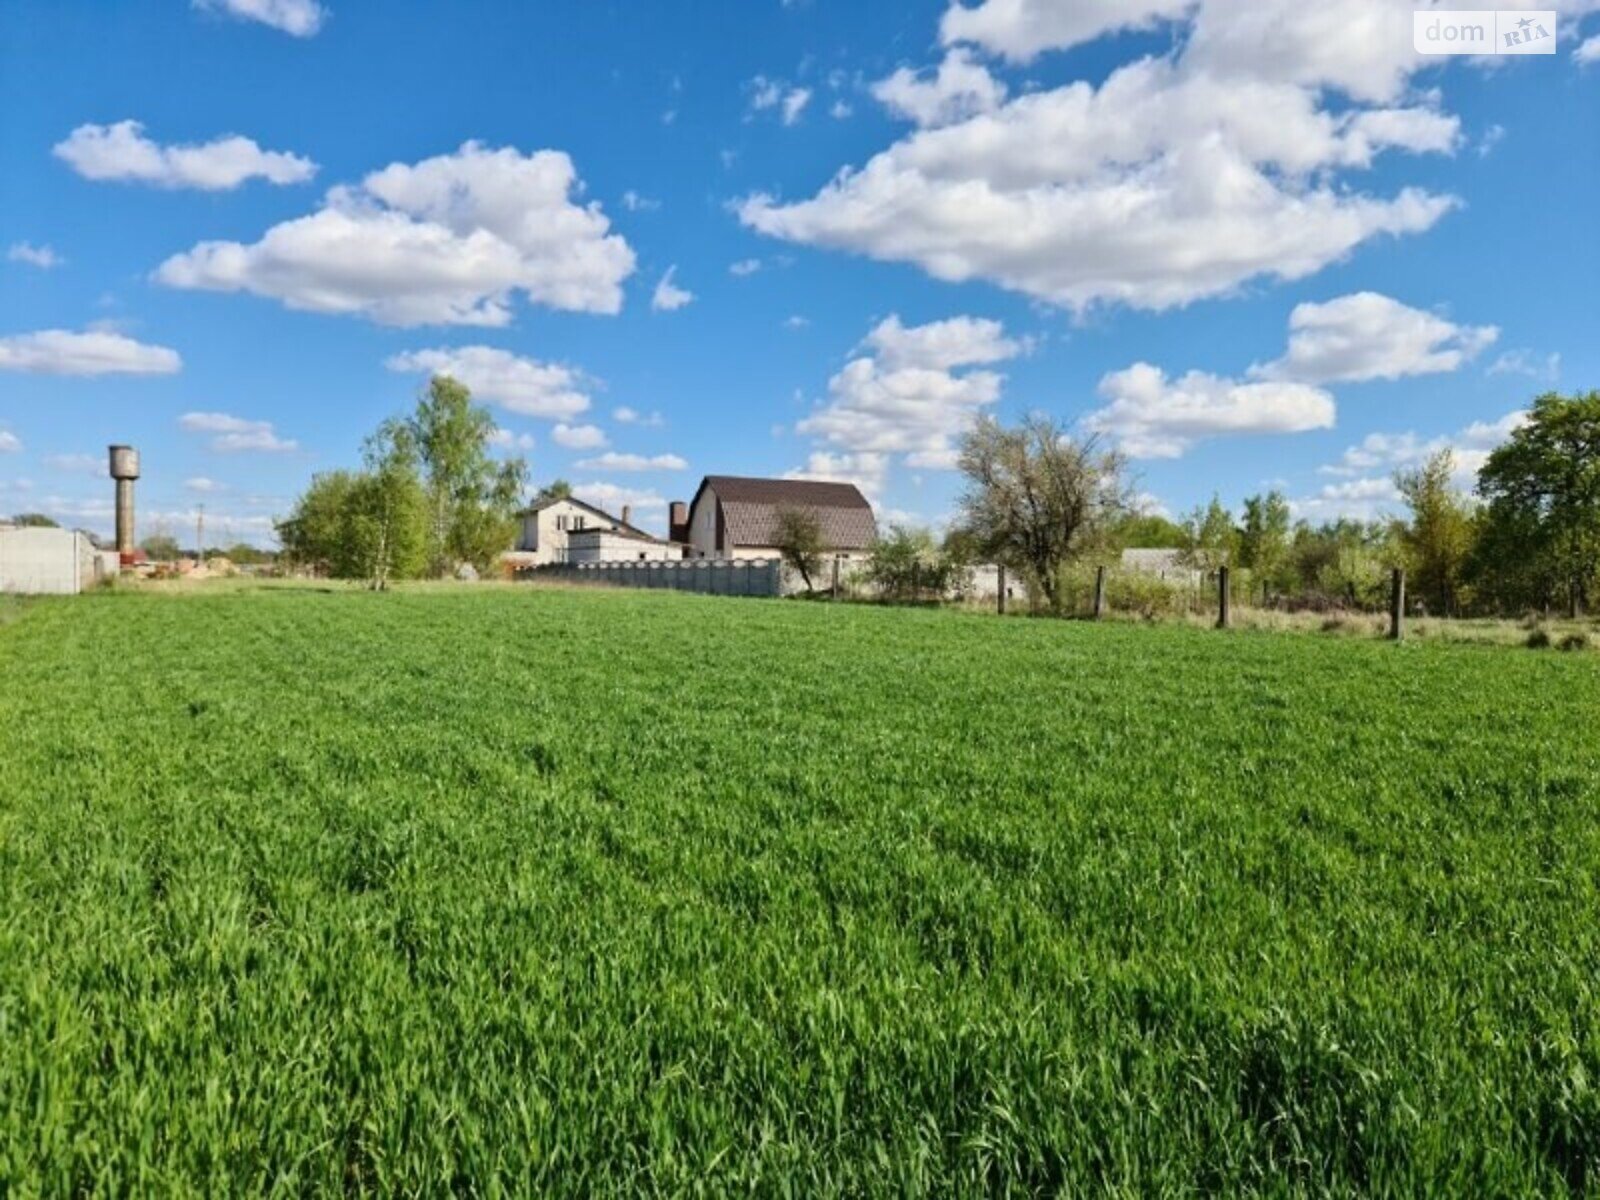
point(1000, 589)
point(1224, 616)
point(1397, 605)
point(1099, 592)
point(835, 595)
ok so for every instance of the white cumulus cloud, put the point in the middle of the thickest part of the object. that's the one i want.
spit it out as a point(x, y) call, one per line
point(668, 296)
point(624, 415)
point(960, 88)
point(1022, 29)
point(92, 352)
point(1350, 339)
point(1546, 368)
point(299, 18)
point(788, 100)
point(504, 439)
point(10, 443)
point(122, 152)
point(867, 469)
point(521, 385)
point(448, 241)
point(1367, 335)
point(1176, 178)
point(231, 434)
point(1355, 499)
point(1392, 452)
point(42, 257)
point(612, 461)
point(579, 437)
point(913, 392)
point(1153, 416)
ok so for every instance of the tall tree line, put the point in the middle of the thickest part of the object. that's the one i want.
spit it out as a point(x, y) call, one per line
point(1524, 535)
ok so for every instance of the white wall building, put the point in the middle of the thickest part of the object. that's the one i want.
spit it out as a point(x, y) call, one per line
point(548, 525)
point(597, 545)
point(1169, 566)
point(48, 562)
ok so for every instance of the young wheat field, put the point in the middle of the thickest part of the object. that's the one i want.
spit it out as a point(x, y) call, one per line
point(508, 890)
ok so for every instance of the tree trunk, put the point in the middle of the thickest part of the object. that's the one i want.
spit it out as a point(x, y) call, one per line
point(1047, 586)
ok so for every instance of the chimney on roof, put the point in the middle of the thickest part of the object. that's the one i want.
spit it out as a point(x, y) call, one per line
point(678, 522)
point(627, 514)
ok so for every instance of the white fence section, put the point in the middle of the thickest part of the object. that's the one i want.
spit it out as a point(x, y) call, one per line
point(713, 576)
point(763, 577)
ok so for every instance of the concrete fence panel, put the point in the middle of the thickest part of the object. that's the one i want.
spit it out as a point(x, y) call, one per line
point(720, 577)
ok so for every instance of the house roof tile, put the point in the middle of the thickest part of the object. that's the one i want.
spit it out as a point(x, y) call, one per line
point(750, 507)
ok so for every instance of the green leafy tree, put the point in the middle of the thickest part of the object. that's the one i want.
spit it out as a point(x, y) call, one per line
point(247, 555)
point(313, 535)
point(1545, 484)
point(385, 525)
point(1036, 499)
point(472, 497)
point(1437, 540)
point(798, 538)
point(34, 520)
point(161, 547)
point(1211, 540)
point(960, 547)
point(556, 489)
point(1263, 542)
point(1148, 531)
point(1342, 562)
point(1505, 576)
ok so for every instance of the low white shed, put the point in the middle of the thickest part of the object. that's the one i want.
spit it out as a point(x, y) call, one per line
point(619, 545)
point(47, 562)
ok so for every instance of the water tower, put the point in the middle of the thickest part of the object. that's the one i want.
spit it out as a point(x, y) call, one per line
point(124, 469)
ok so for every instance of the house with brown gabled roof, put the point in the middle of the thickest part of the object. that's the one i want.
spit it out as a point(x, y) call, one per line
point(732, 516)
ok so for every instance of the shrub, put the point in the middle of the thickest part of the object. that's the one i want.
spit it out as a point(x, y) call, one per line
point(1575, 641)
point(1539, 639)
point(907, 565)
point(1128, 592)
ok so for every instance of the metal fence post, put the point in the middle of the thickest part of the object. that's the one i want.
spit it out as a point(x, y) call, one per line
point(1000, 588)
point(1224, 617)
point(835, 578)
point(1397, 605)
point(1099, 592)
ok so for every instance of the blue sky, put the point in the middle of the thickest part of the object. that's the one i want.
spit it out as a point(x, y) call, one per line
point(1254, 245)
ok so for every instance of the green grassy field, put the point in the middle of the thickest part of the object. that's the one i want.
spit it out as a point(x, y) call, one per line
point(512, 890)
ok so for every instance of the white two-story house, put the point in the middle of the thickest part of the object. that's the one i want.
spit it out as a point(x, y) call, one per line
point(547, 525)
